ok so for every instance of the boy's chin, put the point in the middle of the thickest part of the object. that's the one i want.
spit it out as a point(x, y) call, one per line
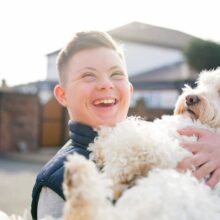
point(109, 122)
point(113, 123)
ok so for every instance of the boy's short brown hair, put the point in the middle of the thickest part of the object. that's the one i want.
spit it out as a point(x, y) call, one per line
point(82, 41)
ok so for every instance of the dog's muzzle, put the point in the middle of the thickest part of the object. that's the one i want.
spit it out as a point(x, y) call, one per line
point(192, 100)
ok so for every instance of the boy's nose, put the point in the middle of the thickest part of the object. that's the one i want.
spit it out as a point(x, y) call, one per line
point(105, 84)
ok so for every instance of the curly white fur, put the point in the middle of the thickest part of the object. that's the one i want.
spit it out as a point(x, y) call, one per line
point(85, 189)
point(134, 148)
point(139, 159)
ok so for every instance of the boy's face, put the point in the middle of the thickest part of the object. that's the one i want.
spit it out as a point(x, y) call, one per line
point(97, 90)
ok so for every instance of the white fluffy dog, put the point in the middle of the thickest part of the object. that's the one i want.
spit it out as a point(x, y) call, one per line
point(139, 158)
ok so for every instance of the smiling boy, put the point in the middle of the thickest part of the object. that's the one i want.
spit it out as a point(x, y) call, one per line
point(95, 89)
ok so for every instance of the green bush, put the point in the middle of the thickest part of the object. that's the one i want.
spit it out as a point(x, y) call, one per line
point(203, 55)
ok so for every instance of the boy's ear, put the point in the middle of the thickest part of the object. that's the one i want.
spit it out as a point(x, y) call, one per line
point(131, 88)
point(59, 93)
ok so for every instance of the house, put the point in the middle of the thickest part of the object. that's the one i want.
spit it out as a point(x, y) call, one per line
point(156, 66)
point(155, 60)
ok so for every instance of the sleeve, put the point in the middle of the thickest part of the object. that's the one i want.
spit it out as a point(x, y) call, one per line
point(49, 204)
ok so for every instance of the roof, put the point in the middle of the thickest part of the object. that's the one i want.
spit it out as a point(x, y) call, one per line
point(150, 34)
point(53, 52)
point(163, 85)
point(169, 72)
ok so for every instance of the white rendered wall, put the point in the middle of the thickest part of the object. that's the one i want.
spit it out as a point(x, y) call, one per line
point(142, 58)
point(139, 58)
point(52, 73)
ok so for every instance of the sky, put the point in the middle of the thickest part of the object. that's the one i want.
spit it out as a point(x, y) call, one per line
point(30, 29)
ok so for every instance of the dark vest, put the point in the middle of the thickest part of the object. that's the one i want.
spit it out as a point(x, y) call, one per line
point(51, 174)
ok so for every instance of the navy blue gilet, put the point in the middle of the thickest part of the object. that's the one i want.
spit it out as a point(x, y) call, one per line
point(52, 173)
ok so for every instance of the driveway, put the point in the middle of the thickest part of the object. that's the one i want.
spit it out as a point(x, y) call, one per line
point(16, 181)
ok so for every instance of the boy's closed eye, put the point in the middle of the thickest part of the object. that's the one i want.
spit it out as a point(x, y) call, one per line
point(118, 75)
point(88, 76)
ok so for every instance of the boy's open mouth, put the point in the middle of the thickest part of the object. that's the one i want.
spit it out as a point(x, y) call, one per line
point(105, 102)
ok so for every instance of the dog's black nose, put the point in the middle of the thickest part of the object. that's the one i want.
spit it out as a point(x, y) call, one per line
point(192, 99)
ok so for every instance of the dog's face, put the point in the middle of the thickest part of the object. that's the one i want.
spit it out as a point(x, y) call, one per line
point(202, 102)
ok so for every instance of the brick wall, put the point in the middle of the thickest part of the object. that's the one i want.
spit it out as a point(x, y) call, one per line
point(19, 121)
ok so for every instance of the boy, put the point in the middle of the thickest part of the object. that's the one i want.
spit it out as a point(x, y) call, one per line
point(95, 89)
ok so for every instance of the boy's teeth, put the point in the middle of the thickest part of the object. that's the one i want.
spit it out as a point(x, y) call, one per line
point(104, 101)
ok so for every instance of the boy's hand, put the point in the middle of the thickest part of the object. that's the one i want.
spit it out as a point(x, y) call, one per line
point(206, 154)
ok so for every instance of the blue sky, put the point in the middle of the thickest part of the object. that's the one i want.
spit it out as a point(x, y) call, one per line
point(32, 28)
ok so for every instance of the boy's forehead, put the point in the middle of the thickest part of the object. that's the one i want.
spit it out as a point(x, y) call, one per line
point(96, 52)
point(96, 58)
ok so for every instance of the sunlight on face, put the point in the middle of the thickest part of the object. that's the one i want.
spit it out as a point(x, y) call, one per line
point(97, 91)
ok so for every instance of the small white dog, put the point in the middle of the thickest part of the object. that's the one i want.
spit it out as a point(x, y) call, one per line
point(139, 158)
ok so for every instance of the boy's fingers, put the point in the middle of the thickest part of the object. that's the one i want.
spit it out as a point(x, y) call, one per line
point(189, 131)
point(214, 179)
point(199, 159)
point(192, 147)
point(185, 164)
point(205, 170)
point(191, 163)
